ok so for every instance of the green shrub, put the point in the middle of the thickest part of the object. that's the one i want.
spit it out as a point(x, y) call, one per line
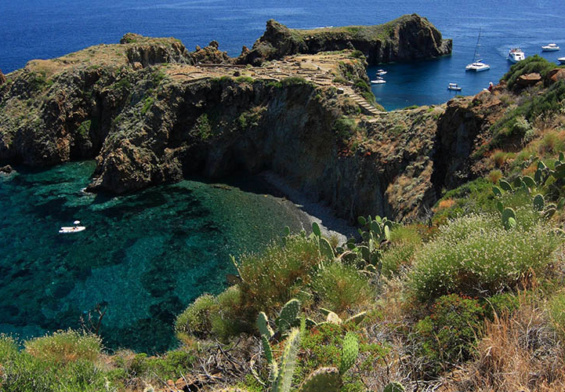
point(397, 257)
point(273, 277)
point(475, 256)
point(227, 320)
point(203, 127)
point(448, 334)
point(357, 54)
point(65, 346)
point(501, 304)
point(245, 79)
point(147, 103)
point(345, 127)
point(8, 348)
point(342, 288)
point(61, 362)
point(295, 81)
point(195, 320)
point(531, 64)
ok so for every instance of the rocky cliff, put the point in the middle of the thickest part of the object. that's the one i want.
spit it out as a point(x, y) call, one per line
point(407, 38)
point(151, 112)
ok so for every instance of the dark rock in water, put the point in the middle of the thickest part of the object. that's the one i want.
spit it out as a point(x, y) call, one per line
point(407, 38)
point(2, 78)
point(6, 169)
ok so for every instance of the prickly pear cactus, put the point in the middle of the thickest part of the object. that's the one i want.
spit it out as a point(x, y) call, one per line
point(289, 315)
point(505, 185)
point(263, 325)
point(357, 318)
point(508, 218)
point(539, 202)
point(394, 386)
point(273, 367)
point(316, 229)
point(326, 249)
point(286, 371)
point(349, 352)
point(326, 379)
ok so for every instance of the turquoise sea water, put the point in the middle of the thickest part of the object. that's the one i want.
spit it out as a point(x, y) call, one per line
point(143, 257)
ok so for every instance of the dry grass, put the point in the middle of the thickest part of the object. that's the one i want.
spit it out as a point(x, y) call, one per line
point(519, 352)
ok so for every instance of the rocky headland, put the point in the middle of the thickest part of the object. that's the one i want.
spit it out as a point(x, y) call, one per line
point(297, 104)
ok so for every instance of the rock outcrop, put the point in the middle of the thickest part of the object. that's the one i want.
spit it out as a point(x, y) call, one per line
point(407, 38)
point(150, 114)
point(211, 54)
point(2, 78)
point(151, 51)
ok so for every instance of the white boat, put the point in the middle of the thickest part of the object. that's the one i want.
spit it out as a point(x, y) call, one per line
point(515, 55)
point(477, 65)
point(550, 48)
point(453, 87)
point(72, 229)
point(378, 80)
point(381, 72)
point(561, 60)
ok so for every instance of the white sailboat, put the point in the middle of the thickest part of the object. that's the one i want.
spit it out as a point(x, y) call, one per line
point(477, 65)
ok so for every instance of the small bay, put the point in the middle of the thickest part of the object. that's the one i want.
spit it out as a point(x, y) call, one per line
point(142, 258)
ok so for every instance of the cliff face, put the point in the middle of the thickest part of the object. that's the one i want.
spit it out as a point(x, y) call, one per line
point(409, 37)
point(148, 115)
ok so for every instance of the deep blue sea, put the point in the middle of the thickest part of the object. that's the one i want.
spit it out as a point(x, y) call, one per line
point(145, 256)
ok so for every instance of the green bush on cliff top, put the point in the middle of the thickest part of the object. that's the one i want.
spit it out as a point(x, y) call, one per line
point(474, 255)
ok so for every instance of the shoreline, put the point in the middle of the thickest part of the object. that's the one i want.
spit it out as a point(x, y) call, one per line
point(330, 224)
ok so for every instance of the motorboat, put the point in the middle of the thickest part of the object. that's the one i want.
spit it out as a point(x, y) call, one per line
point(453, 87)
point(515, 55)
point(378, 80)
point(72, 229)
point(550, 48)
point(561, 60)
point(381, 72)
point(477, 65)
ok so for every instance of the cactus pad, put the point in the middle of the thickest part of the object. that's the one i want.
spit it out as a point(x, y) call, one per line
point(289, 315)
point(349, 353)
point(326, 379)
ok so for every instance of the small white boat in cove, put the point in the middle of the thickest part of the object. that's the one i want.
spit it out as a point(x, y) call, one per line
point(378, 80)
point(561, 60)
point(72, 229)
point(381, 72)
point(453, 87)
point(550, 48)
point(515, 55)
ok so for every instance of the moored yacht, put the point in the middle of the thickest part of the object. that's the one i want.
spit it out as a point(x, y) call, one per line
point(477, 65)
point(550, 48)
point(515, 55)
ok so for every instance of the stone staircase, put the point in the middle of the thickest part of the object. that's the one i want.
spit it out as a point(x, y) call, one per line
point(366, 108)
